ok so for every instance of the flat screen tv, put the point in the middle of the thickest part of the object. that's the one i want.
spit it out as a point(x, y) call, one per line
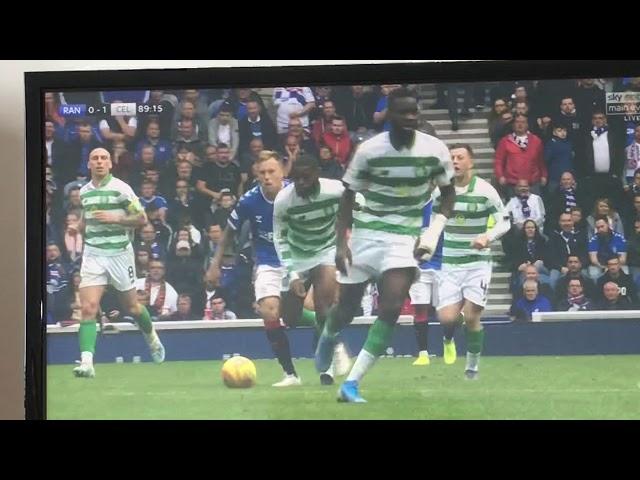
point(448, 240)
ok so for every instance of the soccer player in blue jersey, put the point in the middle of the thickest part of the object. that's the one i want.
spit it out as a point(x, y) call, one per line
point(256, 207)
point(424, 293)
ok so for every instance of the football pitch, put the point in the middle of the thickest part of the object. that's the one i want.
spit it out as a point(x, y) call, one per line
point(545, 387)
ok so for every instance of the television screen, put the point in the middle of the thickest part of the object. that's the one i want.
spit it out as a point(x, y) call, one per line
point(440, 244)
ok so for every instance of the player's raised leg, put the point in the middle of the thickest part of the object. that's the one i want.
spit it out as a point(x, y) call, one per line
point(325, 287)
point(142, 318)
point(338, 318)
point(395, 287)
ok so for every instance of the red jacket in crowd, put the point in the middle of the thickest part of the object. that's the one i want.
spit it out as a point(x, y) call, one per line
point(318, 130)
point(339, 145)
point(514, 163)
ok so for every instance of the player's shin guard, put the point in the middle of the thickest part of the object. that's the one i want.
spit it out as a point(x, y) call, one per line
point(475, 343)
point(144, 320)
point(87, 335)
point(280, 346)
point(378, 339)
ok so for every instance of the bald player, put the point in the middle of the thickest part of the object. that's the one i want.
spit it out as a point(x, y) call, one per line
point(111, 213)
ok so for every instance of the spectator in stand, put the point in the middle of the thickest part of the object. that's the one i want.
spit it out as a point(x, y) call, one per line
point(563, 243)
point(500, 106)
point(53, 146)
point(562, 199)
point(575, 301)
point(604, 245)
point(573, 269)
point(329, 166)
point(503, 126)
point(225, 207)
point(632, 163)
point(589, 97)
point(306, 144)
point(223, 129)
point(520, 156)
point(194, 106)
point(531, 301)
point(219, 311)
point(183, 312)
point(239, 100)
point(163, 150)
point(219, 175)
point(380, 115)
point(614, 274)
point(323, 123)
point(77, 153)
point(604, 207)
point(57, 286)
point(149, 242)
point(73, 239)
point(163, 298)
point(143, 257)
point(211, 242)
point(184, 234)
point(148, 197)
point(337, 139)
point(531, 273)
point(292, 103)
point(52, 112)
point(322, 95)
point(578, 219)
point(530, 249)
point(247, 160)
point(181, 205)
point(203, 298)
point(163, 231)
point(184, 273)
point(526, 206)
point(633, 247)
point(118, 128)
point(573, 122)
point(256, 125)
point(612, 298)
point(604, 158)
point(558, 155)
point(357, 106)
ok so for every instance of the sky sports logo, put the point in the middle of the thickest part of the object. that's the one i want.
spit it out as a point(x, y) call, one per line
point(623, 103)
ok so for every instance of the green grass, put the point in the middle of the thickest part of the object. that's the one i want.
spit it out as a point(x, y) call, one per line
point(584, 387)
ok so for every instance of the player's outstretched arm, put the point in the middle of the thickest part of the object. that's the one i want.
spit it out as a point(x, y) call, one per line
point(428, 241)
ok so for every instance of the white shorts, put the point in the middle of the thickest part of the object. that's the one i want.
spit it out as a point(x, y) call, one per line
point(269, 281)
point(424, 291)
point(472, 285)
point(303, 267)
point(118, 271)
point(371, 258)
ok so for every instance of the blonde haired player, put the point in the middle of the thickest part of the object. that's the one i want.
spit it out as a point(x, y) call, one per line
point(111, 212)
point(466, 257)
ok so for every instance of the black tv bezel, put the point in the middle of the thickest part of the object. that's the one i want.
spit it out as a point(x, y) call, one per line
point(36, 83)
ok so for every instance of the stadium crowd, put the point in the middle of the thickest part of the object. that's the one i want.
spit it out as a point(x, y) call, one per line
point(568, 173)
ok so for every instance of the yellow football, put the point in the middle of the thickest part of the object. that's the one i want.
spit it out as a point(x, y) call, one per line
point(239, 372)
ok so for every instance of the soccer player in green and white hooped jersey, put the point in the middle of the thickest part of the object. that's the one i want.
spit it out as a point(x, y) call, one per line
point(395, 171)
point(304, 234)
point(111, 211)
point(463, 282)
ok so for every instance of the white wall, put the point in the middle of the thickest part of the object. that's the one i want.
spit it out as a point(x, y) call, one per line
point(12, 205)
